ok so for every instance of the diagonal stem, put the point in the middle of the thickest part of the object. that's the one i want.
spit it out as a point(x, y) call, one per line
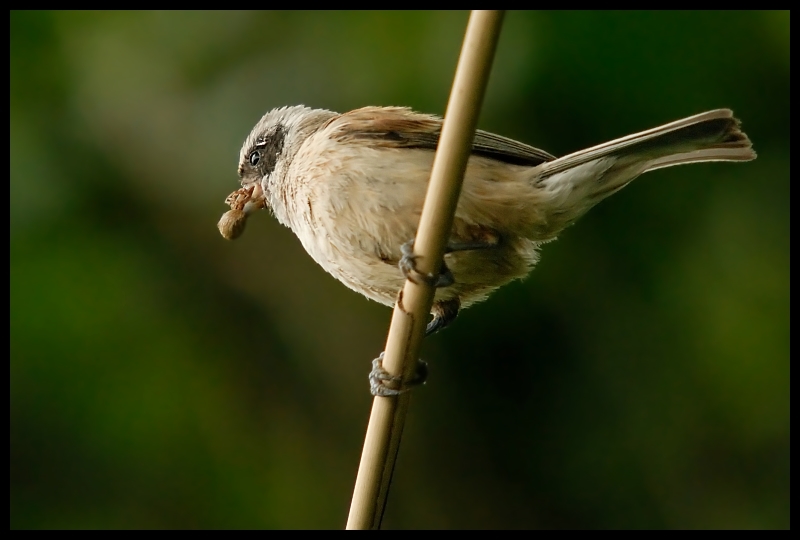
point(407, 328)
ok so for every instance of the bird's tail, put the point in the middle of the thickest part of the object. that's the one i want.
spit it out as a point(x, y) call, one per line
point(580, 180)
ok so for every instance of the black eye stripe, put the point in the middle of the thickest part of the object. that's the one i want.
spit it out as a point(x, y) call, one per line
point(266, 150)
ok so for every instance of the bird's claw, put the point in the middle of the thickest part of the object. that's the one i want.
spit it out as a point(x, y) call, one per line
point(379, 376)
point(408, 265)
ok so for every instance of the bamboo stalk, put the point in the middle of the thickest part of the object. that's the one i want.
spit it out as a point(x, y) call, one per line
point(386, 422)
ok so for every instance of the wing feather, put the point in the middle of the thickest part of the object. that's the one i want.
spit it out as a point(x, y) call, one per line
point(400, 127)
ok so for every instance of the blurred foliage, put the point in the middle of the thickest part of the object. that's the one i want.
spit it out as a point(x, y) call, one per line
point(164, 378)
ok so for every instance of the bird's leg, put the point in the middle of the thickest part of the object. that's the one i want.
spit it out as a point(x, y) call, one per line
point(408, 265)
point(408, 261)
point(452, 247)
point(444, 312)
point(379, 376)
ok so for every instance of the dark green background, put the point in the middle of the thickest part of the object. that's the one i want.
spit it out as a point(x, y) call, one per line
point(163, 377)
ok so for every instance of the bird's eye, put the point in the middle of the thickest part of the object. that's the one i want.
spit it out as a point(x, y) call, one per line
point(255, 157)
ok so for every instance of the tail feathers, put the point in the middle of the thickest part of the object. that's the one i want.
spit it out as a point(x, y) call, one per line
point(709, 136)
point(577, 182)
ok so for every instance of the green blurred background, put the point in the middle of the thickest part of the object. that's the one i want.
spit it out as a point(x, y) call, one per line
point(162, 377)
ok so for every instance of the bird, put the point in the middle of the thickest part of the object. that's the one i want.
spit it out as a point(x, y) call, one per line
point(351, 187)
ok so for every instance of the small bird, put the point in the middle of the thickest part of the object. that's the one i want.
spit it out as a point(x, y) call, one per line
point(351, 187)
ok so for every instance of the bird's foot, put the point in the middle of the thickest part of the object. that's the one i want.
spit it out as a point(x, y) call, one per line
point(378, 378)
point(444, 312)
point(408, 265)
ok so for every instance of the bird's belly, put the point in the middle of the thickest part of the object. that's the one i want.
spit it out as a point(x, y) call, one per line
point(360, 267)
point(356, 265)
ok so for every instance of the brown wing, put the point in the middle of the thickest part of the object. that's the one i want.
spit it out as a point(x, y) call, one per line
point(400, 127)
